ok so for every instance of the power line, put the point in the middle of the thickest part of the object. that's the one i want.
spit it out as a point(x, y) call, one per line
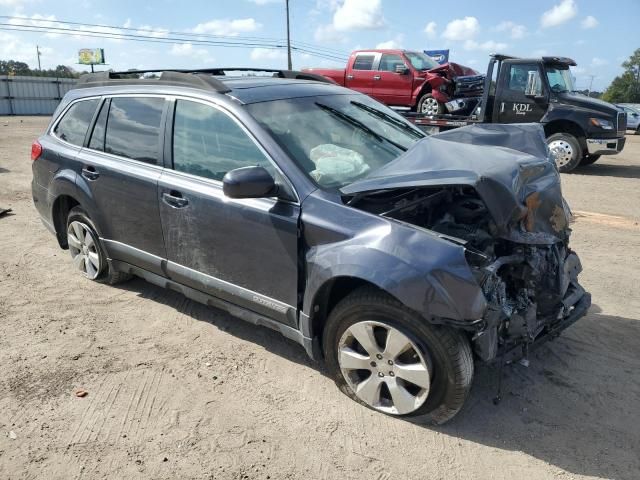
point(166, 40)
point(156, 32)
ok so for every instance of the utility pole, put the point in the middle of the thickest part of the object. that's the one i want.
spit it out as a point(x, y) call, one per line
point(38, 55)
point(590, 85)
point(288, 39)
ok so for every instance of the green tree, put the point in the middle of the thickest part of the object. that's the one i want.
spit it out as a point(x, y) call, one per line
point(625, 88)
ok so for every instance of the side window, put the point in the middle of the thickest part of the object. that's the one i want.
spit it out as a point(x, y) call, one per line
point(75, 123)
point(208, 143)
point(363, 62)
point(97, 136)
point(518, 75)
point(389, 62)
point(133, 128)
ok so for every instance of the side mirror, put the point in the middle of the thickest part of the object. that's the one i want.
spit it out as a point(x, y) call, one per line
point(534, 85)
point(402, 69)
point(249, 182)
point(635, 115)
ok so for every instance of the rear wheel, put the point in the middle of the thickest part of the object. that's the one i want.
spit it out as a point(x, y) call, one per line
point(566, 151)
point(86, 250)
point(386, 357)
point(589, 159)
point(428, 105)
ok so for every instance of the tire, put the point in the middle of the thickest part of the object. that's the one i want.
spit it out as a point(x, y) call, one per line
point(440, 358)
point(566, 150)
point(429, 106)
point(87, 250)
point(588, 160)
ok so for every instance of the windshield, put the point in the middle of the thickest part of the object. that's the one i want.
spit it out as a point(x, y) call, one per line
point(336, 139)
point(560, 80)
point(420, 61)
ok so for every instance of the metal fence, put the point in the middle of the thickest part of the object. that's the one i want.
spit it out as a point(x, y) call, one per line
point(21, 95)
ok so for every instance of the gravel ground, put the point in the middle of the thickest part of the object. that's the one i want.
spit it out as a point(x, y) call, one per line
point(179, 390)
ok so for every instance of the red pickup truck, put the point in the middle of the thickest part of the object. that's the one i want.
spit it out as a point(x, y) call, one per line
point(406, 79)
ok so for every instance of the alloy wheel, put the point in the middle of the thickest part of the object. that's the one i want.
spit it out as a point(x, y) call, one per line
point(562, 152)
point(83, 249)
point(384, 368)
point(429, 106)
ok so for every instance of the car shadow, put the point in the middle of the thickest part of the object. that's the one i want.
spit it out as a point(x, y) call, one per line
point(575, 406)
point(609, 170)
point(4, 170)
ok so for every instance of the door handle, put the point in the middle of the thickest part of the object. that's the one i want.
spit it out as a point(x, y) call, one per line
point(174, 199)
point(376, 77)
point(90, 173)
point(349, 77)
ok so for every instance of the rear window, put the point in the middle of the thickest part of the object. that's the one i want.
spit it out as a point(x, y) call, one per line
point(133, 128)
point(75, 123)
point(363, 62)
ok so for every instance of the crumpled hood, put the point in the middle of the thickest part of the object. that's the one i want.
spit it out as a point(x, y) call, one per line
point(509, 166)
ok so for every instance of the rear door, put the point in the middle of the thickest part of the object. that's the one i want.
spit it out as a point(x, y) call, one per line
point(390, 87)
point(511, 105)
point(359, 75)
point(244, 251)
point(121, 165)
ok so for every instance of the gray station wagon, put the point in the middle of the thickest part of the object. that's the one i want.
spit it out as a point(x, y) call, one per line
point(395, 258)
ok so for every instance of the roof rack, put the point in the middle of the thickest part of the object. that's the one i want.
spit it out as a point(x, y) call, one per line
point(167, 77)
point(200, 78)
point(290, 74)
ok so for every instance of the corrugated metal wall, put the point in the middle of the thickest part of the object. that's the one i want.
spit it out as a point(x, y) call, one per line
point(20, 95)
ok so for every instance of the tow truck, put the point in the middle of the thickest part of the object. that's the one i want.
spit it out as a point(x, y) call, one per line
point(579, 129)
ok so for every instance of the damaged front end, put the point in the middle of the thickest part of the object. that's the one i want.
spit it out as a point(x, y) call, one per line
point(505, 206)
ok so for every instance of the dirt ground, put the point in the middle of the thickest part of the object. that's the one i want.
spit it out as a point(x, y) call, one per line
point(179, 390)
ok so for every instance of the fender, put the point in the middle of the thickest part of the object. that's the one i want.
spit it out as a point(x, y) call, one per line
point(67, 182)
point(425, 272)
point(433, 84)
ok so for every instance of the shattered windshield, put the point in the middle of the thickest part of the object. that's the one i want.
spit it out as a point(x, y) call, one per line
point(336, 139)
point(560, 80)
point(420, 61)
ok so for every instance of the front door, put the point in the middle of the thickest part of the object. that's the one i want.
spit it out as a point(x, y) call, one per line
point(389, 86)
point(244, 251)
point(511, 105)
point(120, 168)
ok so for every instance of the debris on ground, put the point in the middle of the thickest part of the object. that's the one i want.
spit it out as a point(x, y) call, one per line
point(81, 393)
point(12, 435)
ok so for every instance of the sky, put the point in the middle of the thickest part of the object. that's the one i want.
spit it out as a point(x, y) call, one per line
point(598, 37)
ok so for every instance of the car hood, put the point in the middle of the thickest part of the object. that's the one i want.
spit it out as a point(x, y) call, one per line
point(583, 101)
point(453, 70)
point(509, 166)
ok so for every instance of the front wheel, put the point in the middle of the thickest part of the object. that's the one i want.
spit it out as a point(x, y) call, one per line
point(384, 356)
point(566, 151)
point(428, 105)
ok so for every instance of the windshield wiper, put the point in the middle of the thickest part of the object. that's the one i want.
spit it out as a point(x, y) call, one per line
point(388, 118)
point(357, 123)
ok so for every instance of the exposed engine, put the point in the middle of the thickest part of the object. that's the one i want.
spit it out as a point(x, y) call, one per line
point(529, 287)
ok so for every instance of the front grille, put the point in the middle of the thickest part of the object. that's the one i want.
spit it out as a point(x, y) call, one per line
point(622, 122)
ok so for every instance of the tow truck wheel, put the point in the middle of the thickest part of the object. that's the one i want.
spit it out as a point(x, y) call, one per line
point(588, 160)
point(429, 105)
point(566, 151)
point(388, 358)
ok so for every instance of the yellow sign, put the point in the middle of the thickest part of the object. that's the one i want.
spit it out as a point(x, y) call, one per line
point(91, 56)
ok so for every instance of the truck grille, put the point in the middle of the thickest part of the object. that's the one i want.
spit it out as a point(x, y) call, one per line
point(622, 122)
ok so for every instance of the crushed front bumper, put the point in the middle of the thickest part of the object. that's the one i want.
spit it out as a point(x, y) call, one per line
point(511, 322)
point(605, 146)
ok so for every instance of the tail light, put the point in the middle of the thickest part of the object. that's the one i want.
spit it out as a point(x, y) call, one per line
point(36, 150)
